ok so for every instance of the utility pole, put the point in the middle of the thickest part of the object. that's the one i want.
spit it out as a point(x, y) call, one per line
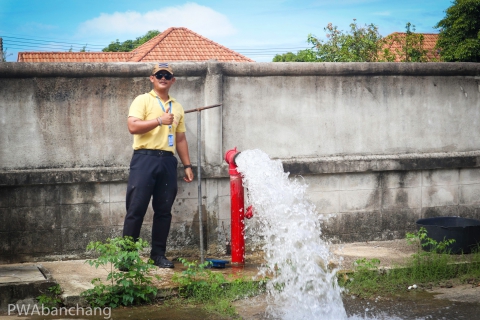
point(2, 56)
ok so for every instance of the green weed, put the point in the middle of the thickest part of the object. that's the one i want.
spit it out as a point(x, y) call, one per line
point(433, 265)
point(421, 239)
point(51, 298)
point(120, 288)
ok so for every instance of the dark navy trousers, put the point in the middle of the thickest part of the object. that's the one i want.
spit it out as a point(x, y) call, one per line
point(151, 177)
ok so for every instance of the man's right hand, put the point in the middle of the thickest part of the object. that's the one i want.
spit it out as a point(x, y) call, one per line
point(167, 118)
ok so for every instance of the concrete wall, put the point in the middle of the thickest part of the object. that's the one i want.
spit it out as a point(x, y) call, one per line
point(380, 144)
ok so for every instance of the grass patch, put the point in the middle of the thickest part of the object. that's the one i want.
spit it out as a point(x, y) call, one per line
point(199, 285)
point(424, 268)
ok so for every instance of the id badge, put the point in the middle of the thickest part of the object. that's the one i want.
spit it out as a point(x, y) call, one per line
point(170, 140)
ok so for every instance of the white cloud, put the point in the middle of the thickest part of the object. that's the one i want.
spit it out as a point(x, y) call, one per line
point(124, 25)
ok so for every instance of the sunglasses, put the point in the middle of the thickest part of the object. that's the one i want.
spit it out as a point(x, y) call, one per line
point(167, 76)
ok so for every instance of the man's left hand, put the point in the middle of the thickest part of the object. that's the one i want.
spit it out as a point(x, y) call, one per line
point(188, 175)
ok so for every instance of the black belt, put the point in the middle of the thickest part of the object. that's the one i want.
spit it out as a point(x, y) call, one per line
point(158, 153)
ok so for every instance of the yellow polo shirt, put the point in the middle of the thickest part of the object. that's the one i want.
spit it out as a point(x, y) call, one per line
point(146, 107)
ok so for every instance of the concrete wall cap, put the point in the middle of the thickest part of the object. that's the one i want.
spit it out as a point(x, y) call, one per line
point(85, 70)
point(136, 69)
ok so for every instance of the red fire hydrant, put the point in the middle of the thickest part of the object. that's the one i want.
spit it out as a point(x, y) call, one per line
point(237, 209)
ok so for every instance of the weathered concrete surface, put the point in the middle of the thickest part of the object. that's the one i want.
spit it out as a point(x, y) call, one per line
point(390, 253)
point(386, 205)
point(381, 145)
point(12, 274)
point(19, 282)
point(74, 114)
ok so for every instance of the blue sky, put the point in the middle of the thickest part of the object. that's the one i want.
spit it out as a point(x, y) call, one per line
point(258, 29)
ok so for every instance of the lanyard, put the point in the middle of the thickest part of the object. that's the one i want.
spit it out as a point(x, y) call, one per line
point(161, 105)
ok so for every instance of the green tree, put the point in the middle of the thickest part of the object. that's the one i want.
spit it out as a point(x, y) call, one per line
point(459, 38)
point(3, 52)
point(363, 44)
point(4, 55)
point(360, 44)
point(306, 55)
point(84, 49)
point(129, 45)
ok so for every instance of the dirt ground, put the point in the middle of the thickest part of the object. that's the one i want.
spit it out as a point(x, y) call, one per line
point(390, 253)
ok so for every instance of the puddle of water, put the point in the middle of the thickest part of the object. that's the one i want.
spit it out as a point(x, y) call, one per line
point(420, 305)
point(417, 306)
point(170, 313)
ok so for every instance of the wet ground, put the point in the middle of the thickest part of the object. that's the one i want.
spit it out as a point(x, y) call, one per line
point(133, 313)
point(420, 305)
point(414, 305)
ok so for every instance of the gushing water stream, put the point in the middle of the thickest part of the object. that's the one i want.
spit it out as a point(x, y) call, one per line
point(289, 228)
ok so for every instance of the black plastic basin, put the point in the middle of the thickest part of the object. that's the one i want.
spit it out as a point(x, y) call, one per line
point(466, 232)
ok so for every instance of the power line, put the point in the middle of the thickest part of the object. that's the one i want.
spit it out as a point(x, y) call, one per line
point(43, 45)
point(47, 41)
point(260, 49)
point(46, 50)
point(102, 45)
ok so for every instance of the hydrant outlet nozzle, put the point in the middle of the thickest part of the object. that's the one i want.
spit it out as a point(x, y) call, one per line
point(230, 156)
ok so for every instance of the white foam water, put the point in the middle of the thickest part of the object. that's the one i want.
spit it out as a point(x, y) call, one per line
point(302, 286)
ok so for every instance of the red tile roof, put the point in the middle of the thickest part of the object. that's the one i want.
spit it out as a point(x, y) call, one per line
point(174, 44)
point(429, 42)
point(179, 44)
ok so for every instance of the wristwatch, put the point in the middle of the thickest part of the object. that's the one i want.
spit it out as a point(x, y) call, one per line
point(187, 166)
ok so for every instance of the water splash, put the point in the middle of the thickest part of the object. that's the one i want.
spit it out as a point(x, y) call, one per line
point(302, 287)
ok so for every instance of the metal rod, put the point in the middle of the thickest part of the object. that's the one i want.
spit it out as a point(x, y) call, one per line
point(199, 174)
point(203, 108)
point(199, 171)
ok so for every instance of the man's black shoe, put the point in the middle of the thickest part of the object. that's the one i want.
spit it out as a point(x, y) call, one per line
point(162, 262)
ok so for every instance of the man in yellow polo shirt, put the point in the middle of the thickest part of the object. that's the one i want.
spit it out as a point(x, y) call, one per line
point(156, 121)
